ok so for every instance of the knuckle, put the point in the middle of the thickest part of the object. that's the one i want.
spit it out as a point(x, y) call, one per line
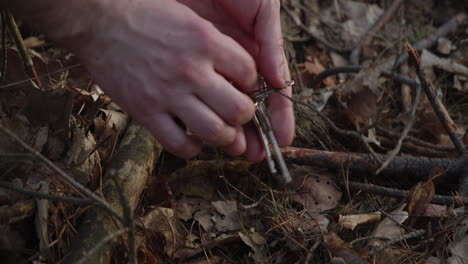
point(204, 34)
point(241, 113)
point(216, 134)
point(181, 148)
point(188, 69)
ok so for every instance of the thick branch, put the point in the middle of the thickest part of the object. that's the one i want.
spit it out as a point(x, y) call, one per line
point(418, 167)
point(127, 176)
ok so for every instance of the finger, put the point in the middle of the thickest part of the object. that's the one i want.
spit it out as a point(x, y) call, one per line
point(230, 104)
point(255, 151)
point(172, 137)
point(282, 117)
point(234, 63)
point(271, 58)
point(205, 123)
point(239, 145)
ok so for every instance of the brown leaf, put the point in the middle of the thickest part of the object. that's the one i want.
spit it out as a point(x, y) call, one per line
point(342, 249)
point(316, 192)
point(436, 210)
point(388, 228)
point(229, 218)
point(161, 221)
point(351, 221)
point(420, 197)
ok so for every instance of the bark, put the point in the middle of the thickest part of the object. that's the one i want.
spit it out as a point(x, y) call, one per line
point(127, 173)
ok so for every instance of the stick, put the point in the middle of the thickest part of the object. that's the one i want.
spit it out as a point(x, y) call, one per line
point(438, 107)
point(127, 175)
point(392, 192)
point(27, 60)
point(419, 167)
point(40, 195)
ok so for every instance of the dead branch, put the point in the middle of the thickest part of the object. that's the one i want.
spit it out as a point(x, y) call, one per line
point(40, 195)
point(438, 107)
point(419, 167)
point(23, 51)
point(127, 175)
point(410, 235)
point(392, 192)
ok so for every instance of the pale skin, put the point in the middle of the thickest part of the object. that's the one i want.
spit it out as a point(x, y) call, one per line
point(194, 60)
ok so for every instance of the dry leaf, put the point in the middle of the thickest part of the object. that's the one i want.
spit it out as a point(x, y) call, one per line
point(420, 197)
point(436, 210)
point(459, 247)
point(315, 192)
point(257, 243)
point(388, 228)
point(83, 159)
point(342, 249)
point(351, 221)
point(161, 220)
point(229, 218)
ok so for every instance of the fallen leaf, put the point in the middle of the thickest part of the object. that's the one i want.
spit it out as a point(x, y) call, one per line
point(257, 243)
point(315, 192)
point(342, 249)
point(460, 245)
point(229, 218)
point(420, 197)
point(351, 221)
point(436, 210)
point(387, 228)
point(162, 221)
point(83, 159)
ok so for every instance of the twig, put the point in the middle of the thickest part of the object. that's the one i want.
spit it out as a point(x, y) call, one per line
point(410, 235)
point(4, 46)
point(332, 125)
point(417, 167)
point(383, 19)
point(311, 251)
point(103, 242)
point(392, 192)
point(319, 78)
point(40, 195)
point(27, 60)
point(45, 75)
point(62, 173)
point(417, 142)
point(357, 240)
point(438, 107)
point(406, 130)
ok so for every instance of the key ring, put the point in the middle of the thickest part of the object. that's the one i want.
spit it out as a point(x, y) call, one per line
point(263, 124)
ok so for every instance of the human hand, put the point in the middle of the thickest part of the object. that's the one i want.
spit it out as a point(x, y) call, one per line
point(255, 24)
point(159, 60)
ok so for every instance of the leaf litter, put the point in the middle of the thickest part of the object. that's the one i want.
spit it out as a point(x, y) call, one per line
point(221, 209)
